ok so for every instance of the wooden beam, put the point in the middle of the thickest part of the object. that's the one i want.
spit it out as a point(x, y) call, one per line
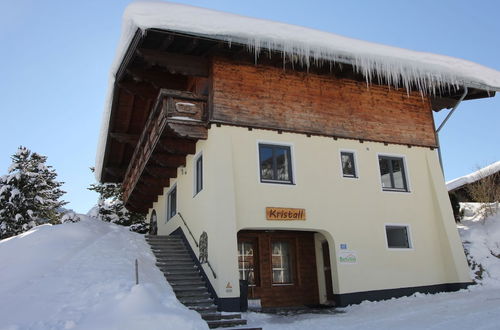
point(152, 181)
point(158, 78)
point(175, 63)
point(169, 160)
point(141, 89)
point(161, 172)
point(131, 139)
point(177, 146)
point(118, 172)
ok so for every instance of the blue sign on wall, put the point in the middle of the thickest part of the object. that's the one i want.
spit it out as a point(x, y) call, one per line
point(343, 246)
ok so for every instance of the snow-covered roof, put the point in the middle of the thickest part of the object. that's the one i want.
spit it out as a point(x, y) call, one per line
point(473, 177)
point(399, 67)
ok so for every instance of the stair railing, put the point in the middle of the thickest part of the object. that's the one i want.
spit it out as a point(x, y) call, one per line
point(195, 242)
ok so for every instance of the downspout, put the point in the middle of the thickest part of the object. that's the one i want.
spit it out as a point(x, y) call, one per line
point(444, 122)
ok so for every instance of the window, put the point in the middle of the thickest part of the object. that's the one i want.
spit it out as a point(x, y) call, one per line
point(275, 164)
point(392, 172)
point(281, 263)
point(397, 237)
point(172, 203)
point(348, 164)
point(198, 174)
point(247, 259)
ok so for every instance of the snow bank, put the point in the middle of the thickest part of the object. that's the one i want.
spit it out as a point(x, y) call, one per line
point(81, 276)
point(473, 177)
point(401, 67)
point(481, 238)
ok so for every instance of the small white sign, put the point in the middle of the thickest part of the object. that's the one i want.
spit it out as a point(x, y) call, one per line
point(348, 257)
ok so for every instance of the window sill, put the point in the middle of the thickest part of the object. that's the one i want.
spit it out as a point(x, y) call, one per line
point(288, 183)
point(395, 190)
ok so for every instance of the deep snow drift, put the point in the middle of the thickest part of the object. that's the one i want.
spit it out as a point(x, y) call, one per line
point(81, 276)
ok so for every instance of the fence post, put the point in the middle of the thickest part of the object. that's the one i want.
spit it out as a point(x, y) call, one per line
point(136, 272)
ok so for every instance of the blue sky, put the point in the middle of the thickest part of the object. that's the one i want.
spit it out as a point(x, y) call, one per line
point(55, 58)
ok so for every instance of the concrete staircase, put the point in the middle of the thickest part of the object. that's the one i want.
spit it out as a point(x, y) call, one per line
point(174, 260)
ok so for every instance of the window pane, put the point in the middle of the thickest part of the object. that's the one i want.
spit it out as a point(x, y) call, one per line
point(282, 166)
point(397, 172)
point(281, 261)
point(266, 163)
point(199, 174)
point(397, 237)
point(348, 164)
point(172, 203)
point(246, 262)
point(385, 172)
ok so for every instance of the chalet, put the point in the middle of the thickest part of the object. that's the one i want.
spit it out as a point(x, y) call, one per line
point(301, 162)
point(460, 187)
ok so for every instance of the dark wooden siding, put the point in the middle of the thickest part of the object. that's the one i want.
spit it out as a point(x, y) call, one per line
point(267, 97)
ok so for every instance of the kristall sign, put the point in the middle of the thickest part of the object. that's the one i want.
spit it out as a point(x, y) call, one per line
point(281, 213)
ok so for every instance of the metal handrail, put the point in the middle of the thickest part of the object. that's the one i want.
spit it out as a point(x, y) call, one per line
point(196, 242)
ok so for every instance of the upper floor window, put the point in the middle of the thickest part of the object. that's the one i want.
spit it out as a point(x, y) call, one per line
point(348, 164)
point(198, 174)
point(275, 163)
point(172, 203)
point(393, 174)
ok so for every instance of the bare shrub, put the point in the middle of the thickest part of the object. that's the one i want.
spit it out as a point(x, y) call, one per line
point(486, 191)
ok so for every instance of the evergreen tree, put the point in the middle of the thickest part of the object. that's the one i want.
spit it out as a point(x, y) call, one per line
point(29, 194)
point(111, 206)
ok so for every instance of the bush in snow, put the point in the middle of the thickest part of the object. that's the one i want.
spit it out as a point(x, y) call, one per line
point(141, 228)
point(486, 191)
point(111, 207)
point(70, 216)
point(29, 194)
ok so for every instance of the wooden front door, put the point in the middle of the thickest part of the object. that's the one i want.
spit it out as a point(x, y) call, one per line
point(328, 271)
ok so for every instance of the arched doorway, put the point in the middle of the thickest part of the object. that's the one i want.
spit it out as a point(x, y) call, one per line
point(153, 224)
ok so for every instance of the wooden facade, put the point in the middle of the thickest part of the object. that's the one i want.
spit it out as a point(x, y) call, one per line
point(268, 97)
point(303, 289)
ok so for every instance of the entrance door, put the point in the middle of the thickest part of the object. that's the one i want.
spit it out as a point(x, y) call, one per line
point(328, 271)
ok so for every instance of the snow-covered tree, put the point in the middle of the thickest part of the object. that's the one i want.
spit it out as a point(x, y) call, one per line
point(29, 194)
point(111, 206)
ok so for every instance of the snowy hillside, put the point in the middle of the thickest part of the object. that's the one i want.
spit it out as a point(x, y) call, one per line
point(481, 238)
point(81, 276)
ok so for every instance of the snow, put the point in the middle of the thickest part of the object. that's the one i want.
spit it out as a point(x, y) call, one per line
point(473, 177)
point(431, 73)
point(81, 276)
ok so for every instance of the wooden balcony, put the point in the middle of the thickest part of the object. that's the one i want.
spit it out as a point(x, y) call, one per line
point(176, 122)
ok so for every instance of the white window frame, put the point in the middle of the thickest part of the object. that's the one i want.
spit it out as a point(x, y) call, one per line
point(168, 217)
point(292, 162)
point(406, 173)
point(355, 159)
point(408, 233)
point(195, 173)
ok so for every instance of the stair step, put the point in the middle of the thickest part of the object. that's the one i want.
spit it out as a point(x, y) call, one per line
point(225, 323)
point(190, 294)
point(175, 277)
point(204, 309)
point(194, 283)
point(205, 302)
point(171, 254)
point(219, 316)
point(172, 265)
